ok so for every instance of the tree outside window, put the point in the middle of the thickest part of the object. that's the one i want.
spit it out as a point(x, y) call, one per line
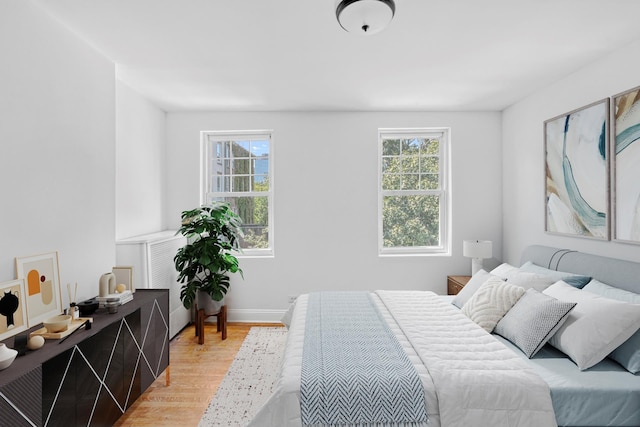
point(413, 202)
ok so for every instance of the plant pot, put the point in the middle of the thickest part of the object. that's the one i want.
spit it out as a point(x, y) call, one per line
point(207, 303)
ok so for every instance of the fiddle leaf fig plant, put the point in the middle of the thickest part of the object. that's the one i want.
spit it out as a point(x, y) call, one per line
point(213, 235)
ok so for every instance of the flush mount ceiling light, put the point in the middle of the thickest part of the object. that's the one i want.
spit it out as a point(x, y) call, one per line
point(365, 17)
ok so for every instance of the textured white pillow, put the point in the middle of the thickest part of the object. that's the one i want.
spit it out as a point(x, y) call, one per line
point(491, 301)
point(595, 327)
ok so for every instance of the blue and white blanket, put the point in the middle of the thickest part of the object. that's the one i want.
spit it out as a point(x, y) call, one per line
point(469, 378)
point(354, 371)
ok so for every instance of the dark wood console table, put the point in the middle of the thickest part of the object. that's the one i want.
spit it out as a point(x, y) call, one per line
point(91, 378)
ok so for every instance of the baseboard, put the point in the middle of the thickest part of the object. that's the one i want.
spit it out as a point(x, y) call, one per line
point(252, 316)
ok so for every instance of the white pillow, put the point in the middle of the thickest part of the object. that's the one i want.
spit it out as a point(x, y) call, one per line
point(595, 327)
point(470, 288)
point(491, 301)
point(527, 280)
point(505, 270)
point(627, 354)
point(531, 281)
point(575, 280)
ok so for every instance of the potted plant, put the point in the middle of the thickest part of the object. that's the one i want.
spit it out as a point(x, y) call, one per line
point(213, 234)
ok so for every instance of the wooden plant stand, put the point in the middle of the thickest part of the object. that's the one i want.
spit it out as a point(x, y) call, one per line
point(221, 320)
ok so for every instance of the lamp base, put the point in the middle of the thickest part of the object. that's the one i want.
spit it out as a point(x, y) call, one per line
point(476, 265)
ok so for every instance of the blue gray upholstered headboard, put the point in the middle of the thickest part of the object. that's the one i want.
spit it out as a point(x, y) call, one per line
point(615, 272)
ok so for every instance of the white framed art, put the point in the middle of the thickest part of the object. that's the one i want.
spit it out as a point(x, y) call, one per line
point(625, 157)
point(577, 172)
point(13, 311)
point(41, 276)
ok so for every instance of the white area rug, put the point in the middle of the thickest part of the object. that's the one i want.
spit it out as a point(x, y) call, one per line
point(249, 380)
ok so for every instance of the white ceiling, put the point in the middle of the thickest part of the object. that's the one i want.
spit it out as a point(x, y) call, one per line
point(283, 55)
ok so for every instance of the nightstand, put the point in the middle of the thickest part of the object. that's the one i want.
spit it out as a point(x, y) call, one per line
point(456, 283)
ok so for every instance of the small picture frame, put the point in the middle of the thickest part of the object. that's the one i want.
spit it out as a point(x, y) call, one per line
point(41, 276)
point(124, 275)
point(13, 310)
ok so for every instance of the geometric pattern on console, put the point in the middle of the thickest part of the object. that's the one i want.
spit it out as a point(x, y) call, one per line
point(106, 371)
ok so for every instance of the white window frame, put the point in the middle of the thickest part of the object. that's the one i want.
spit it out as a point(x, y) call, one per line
point(205, 154)
point(444, 192)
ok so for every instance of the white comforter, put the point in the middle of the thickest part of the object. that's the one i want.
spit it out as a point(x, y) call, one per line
point(470, 378)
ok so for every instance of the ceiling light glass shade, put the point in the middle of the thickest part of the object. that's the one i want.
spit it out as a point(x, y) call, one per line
point(365, 17)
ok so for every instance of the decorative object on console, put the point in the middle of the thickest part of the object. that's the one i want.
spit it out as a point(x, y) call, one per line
point(119, 298)
point(20, 344)
point(7, 355)
point(58, 323)
point(477, 250)
point(577, 172)
point(625, 157)
point(365, 17)
point(42, 285)
point(124, 276)
point(88, 307)
point(12, 308)
point(107, 284)
point(35, 342)
point(49, 335)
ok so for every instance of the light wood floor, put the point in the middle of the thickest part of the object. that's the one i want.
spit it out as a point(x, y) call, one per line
point(196, 371)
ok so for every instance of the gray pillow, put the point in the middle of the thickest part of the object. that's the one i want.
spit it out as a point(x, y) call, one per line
point(533, 320)
point(575, 280)
point(470, 288)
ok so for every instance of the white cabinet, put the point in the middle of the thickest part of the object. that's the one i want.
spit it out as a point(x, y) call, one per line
point(151, 256)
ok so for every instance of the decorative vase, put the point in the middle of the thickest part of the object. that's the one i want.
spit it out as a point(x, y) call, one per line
point(6, 356)
point(207, 303)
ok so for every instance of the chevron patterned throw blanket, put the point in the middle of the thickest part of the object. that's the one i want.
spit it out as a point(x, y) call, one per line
point(354, 371)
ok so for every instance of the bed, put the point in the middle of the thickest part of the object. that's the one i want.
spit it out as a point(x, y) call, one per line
point(473, 378)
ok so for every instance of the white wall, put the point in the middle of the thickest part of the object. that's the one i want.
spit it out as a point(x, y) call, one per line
point(326, 197)
point(57, 113)
point(140, 162)
point(523, 153)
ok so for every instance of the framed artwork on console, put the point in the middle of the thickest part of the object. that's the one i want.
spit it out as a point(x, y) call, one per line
point(41, 276)
point(13, 311)
point(625, 158)
point(577, 172)
point(124, 275)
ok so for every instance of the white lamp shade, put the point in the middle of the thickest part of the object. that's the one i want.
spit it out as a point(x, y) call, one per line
point(365, 17)
point(477, 248)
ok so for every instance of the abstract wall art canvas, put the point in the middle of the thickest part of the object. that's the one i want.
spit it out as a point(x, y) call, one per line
point(577, 172)
point(13, 312)
point(42, 286)
point(626, 166)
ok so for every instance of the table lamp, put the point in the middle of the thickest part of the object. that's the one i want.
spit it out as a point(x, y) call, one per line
point(477, 250)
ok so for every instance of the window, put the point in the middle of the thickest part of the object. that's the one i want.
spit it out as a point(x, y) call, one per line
point(237, 168)
point(413, 191)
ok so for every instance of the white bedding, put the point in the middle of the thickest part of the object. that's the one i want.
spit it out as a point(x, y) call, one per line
point(457, 381)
